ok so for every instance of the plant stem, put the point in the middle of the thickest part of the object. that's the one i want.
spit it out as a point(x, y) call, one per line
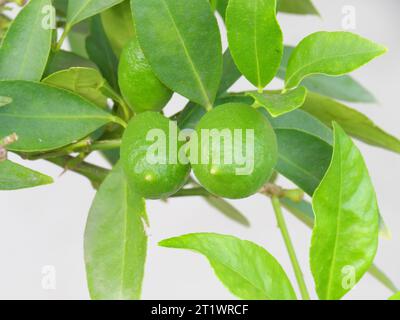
point(64, 35)
point(289, 246)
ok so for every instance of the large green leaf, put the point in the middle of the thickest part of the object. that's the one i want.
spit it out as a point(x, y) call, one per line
point(26, 47)
point(118, 25)
point(345, 235)
point(245, 268)
point(100, 51)
point(14, 176)
point(353, 122)
point(330, 53)
point(86, 82)
point(297, 7)
point(255, 39)
point(278, 104)
point(45, 117)
point(79, 10)
point(341, 87)
point(62, 60)
point(183, 46)
point(115, 241)
point(395, 297)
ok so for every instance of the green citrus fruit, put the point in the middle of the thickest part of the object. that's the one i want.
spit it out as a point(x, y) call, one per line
point(139, 85)
point(239, 158)
point(151, 167)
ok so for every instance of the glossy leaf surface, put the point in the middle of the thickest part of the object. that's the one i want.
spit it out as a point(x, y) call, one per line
point(329, 53)
point(278, 104)
point(183, 47)
point(352, 121)
point(255, 39)
point(14, 176)
point(79, 10)
point(245, 268)
point(297, 7)
point(115, 241)
point(26, 47)
point(46, 118)
point(345, 235)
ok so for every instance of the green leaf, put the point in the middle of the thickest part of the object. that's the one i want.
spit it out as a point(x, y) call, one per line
point(100, 51)
point(79, 10)
point(227, 209)
point(245, 268)
point(14, 176)
point(278, 104)
point(183, 47)
point(230, 73)
point(329, 53)
point(62, 60)
point(395, 297)
point(26, 47)
point(4, 101)
point(255, 39)
point(353, 122)
point(345, 235)
point(341, 87)
point(118, 26)
point(86, 82)
point(297, 7)
point(115, 241)
point(45, 117)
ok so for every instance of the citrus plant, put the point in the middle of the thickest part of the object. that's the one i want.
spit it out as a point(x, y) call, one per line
point(107, 94)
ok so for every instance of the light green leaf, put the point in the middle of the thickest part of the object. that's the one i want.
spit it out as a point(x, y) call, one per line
point(79, 10)
point(341, 87)
point(26, 47)
point(100, 51)
point(115, 241)
point(329, 53)
point(278, 104)
point(395, 297)
point(4, 101)
point(86, 82)
point(183, 47)
point(14, 176)
point(245, 268)
point(345, 235)
point(353, 122)
point(118, 26)
point(62, 60)
point(45, 117)
point(297, 7)
point(255, 39)
point(227, 209)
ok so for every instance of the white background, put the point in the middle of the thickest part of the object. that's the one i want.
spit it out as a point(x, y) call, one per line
point(44, 226)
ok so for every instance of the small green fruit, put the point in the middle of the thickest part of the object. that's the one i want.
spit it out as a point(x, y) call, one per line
point(139, 85)
point(153, 180)
point(239, 166)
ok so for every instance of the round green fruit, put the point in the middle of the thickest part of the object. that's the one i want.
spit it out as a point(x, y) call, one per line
point(237, 151)
point(151, 167)
point(139, 85)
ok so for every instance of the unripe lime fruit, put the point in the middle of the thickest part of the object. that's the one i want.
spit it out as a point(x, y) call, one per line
point(243, 159)
point(148, 162)
point(139, 85)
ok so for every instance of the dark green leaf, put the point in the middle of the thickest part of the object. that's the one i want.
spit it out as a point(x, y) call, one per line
point(341, 87)
point(62, 60)
point(115, 241)
point(245, 268)
point(26, 47)
point(14, 176)
point(79, 10)
point(345, 235)
point(353, 122)
point(297, 7)
point(278, 104)
point(227, 209)
point(230, 73)
point(183, 47)
point(330, 53)
point(255, 39)
point(46, 118)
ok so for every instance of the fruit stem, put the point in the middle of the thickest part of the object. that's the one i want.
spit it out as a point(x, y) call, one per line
point(289, 246)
